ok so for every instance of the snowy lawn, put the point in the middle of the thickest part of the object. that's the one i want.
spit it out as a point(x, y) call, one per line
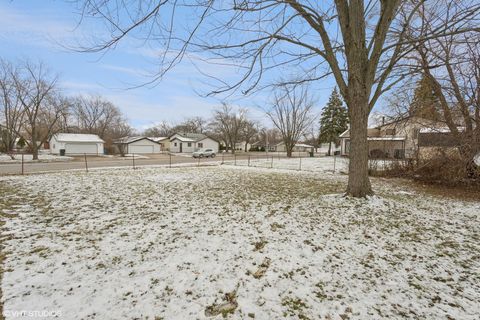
point(317, 164)
point(208, 242)
point(5, 158)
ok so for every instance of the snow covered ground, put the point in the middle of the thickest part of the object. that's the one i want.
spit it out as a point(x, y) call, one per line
point(5, 158)
point(191, 243)
point(318, 164)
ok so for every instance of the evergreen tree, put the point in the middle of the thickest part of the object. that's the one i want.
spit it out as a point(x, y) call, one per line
point(333, 121)
point(425, 103)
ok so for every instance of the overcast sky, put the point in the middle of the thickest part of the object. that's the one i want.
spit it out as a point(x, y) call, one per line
point(47, 30)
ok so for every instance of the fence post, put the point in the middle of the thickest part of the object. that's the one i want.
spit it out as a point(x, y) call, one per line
point(334, 161)
point(198, 163)
point(133, 159)
point(22, 164)
point(86, 164)
point(271, 164)
point(235, 157)
point(223, 155)
point(249, 160)
point(300, 166)
point(170, 157)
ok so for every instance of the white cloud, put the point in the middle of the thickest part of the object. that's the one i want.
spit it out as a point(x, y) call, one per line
point(33, 29)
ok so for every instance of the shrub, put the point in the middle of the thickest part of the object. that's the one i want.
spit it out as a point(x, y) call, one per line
point(441, 168)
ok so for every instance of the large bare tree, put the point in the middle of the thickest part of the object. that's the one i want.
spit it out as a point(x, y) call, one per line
point(11, 111)
point(292, 113)
point(94, 114)
point(162, 129)
point(41, 103)
point(250, 130)
point(357, 42)
point(228, 123)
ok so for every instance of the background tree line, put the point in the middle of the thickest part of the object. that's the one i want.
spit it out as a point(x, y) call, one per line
point(33, 108)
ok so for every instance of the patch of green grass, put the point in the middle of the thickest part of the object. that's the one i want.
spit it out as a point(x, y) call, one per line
point(295, 307)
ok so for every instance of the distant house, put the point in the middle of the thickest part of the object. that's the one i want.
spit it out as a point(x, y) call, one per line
point(164, 142)
point(76, 144)
point(430, 140)
point(299, 147)
point(399, 139)
point(261, 145)
point(138, 145)
point(240, 146)
point(190, 142)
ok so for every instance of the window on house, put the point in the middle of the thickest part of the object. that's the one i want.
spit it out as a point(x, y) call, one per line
point(175, 144)
point(189, 144)
point(200, 145)
point(390, 132)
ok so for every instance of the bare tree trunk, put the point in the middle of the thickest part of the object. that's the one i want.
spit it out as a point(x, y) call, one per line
point(468, 153)
point(34, 145)
point(329, 148)
point(289, 149)
point(358, 181)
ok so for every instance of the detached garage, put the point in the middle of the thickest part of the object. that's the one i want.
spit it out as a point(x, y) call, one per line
point(76, 144)
point(138, 145)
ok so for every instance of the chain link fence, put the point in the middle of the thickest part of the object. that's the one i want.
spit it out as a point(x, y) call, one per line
point(18, 164)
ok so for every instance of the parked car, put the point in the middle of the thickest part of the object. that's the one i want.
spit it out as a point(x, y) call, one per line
point(204, 153)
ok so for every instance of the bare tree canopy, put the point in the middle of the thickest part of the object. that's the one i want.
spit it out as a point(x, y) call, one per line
point(94, 114)
point(229, 124)
point(359, 43)
point(162, 129)
point(449, 67)
point(37, 99)
point(291, 113)
point(11, 111)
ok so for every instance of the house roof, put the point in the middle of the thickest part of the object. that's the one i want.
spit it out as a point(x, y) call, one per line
point(296, 145)
point(303, 145)
point(191, 137)
point(157, 139)
point(372, 132)
point(345, 133)
point(439, 130)
point(183, 139)
point(127, 140)
point(77, 137)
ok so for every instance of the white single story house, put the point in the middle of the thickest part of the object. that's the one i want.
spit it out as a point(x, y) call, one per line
point(76, 144)
point(191, 142)
point(299, 147)
point(243, 146)
point(138, 145)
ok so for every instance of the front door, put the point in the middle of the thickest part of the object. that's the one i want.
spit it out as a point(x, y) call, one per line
point(181, 149)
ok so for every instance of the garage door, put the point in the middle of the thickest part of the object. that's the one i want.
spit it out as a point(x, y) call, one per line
point(140, 149)
point(80, 148)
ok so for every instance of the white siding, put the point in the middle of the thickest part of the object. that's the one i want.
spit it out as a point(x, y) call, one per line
point(81, 148)
point(181, 146)
point(143, 146)
point(76, 147)
point(207, 143)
